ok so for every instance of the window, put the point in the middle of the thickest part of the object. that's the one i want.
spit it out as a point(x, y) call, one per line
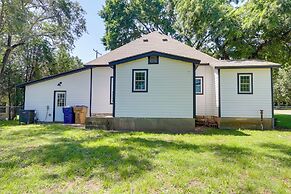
point(111, 90)
point(245, 83)
point(61, 100)
point(199, 85)
point(139, 80)
point(153, 59)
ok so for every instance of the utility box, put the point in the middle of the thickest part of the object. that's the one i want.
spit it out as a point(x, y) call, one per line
point(69, 117)
point(26, 116)
point(80, 114)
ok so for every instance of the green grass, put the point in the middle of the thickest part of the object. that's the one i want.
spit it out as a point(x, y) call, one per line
point(283, 121)
point(54, 158)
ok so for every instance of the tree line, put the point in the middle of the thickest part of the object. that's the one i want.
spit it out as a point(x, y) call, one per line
point(225, 29)
point(36, 38)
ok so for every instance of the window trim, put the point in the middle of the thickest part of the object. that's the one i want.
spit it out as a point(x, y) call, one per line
point(158, 59)
point(251, 83)
point(111, 90)
point(202, 85)
point(133, 80)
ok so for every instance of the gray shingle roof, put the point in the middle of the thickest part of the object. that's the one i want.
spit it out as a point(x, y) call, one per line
point(243, 63)
point(155, 42)
point(161, 43)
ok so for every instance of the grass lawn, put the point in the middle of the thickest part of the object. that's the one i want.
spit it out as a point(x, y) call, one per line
point(283, 121)
point(54, 158)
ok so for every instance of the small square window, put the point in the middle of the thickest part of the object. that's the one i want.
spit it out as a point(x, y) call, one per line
point(153, 59)
point(199, 85)
point(139, 80)
point(245, 83)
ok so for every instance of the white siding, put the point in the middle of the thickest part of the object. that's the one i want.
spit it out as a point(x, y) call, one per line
point(246, 105)
point(206, 104)
point(101, 90)
point(170, 90)
point(40, 95)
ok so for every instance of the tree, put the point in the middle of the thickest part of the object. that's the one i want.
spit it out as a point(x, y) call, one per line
point(282, 87)
point(58, 21)
point(127, 20)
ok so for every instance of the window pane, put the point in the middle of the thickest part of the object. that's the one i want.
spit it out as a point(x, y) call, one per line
point(140, 78)
point(245, 83)
point(198, 85)
point(153, 59)
point(140, 85)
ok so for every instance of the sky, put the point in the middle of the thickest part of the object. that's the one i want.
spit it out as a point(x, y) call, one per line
point(95, 27)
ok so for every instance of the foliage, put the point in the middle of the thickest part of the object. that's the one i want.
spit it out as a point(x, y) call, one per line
point(225, 29)
point(60, 159)
point(126, 20)
point(282, 87)
point(36, 37)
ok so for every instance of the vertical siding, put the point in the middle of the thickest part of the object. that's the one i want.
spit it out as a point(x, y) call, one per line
point(206, 103)
point(101, 90)
point(246, 105)
point(170, 90)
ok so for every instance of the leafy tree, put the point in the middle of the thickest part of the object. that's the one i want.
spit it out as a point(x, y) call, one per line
point(126, 20)
point(36, 37)
point(282, 87)
point(58, 21)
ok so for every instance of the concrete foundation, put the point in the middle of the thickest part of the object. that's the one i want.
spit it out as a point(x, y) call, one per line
point(245, 123)
point(175, 125)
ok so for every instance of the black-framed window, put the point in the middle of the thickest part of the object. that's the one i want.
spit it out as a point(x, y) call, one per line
point(199, 85)
point(153, 60)
point(245, 83)
point(139, 80)
point(111, 89)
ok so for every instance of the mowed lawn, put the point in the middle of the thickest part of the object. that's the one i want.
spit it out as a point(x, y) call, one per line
point(54, 158)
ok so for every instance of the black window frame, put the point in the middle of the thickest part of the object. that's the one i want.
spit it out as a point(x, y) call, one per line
point(251, 83)
point(202, 85)
point(111, 89)
point(133, 80)
point(149, 59)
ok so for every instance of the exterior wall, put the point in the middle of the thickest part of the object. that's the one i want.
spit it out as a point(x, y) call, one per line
point(77, 86)
point(206, 104)
point(39, 96)
point(170, 90)
point(101, 90)
point(246, 105)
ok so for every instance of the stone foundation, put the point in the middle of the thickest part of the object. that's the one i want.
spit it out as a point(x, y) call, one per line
point(244, 123)
point(174, 125)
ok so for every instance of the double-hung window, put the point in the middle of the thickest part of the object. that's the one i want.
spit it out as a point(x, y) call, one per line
point(245, 83)
point(199, 85)
point(139, 80)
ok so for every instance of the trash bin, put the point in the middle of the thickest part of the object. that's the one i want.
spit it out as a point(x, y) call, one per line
point(69, 115)
point(26, 116)
point(80, 114)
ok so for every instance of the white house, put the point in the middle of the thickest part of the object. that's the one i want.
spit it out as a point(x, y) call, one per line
point(150, 83)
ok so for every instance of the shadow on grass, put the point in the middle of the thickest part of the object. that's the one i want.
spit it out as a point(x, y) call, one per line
point(226, 132)
point(120, 162)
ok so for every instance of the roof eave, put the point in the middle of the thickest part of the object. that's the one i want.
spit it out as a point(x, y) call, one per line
point(154, 53)
point(247, 66)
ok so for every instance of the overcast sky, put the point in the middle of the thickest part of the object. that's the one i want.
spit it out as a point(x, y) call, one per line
point(95, 27)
